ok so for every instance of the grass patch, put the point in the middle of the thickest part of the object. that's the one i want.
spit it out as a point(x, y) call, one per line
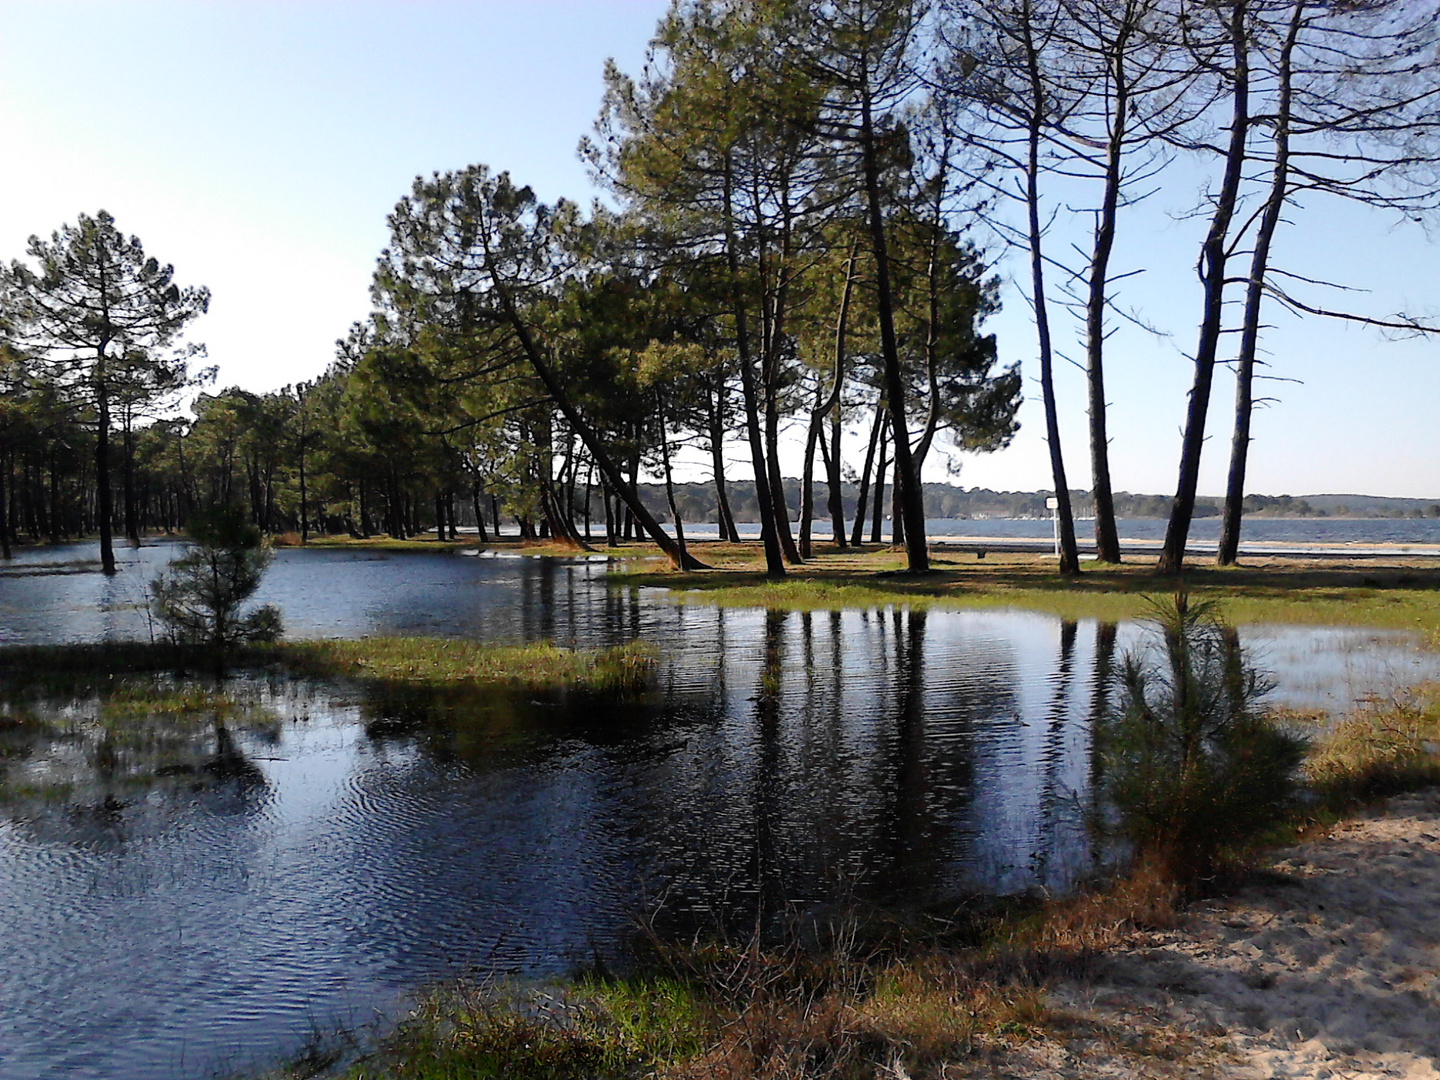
point(429, 544)
point(374, 543)
point(1402, 596)
point(436, 661)
point(135, 699)
point(589, 1028)
point(1384, 748)
point(845, 1009)
point(70, 669)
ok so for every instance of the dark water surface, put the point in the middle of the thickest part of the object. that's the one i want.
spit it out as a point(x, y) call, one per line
point(178, 898)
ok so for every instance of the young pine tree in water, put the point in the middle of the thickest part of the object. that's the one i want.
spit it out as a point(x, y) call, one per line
point(1196, 768)
point(199, 597)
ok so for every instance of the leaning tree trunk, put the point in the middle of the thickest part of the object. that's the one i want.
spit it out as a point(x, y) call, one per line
point(1212, 275)
point(669, 479)
point(1254, 296)
point(807, 488)
point(878, 494)
point(681, 559)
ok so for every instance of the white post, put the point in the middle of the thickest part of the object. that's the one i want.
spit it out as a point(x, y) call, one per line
point(1053, 504)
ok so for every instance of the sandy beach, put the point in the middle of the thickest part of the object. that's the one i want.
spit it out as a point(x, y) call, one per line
point(1326, 965)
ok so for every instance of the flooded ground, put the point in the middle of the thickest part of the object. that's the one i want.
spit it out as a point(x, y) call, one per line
point(199, 889)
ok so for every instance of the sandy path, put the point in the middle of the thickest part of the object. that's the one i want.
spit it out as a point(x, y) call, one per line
point(1328, 966)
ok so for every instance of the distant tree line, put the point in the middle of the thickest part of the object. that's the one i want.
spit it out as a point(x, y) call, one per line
point(799, 194)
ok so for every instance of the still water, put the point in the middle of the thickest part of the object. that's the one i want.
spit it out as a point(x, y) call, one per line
point(189, 897)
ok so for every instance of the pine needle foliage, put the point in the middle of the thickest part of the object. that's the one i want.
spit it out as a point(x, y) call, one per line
point(198, 599)
point(1195, 766)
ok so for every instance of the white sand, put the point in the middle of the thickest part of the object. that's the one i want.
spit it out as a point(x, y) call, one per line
point(1329, 966)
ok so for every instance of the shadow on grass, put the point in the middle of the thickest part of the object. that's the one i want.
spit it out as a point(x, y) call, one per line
point(1393, 597)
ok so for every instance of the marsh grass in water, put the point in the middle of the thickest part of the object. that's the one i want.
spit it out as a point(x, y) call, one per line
point(438, 661)
point(1385, 747)
point(130, 738)
point(70, 669)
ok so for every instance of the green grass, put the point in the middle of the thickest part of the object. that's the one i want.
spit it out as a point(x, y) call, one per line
point(428, 543)
point(435, 662)
point(72, 669)
point(376, 543)
point(587, 1028)
point(133, 699)
point(1398, 597)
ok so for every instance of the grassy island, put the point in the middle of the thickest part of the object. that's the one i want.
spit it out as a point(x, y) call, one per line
point(1400, 592)
point(411, 660)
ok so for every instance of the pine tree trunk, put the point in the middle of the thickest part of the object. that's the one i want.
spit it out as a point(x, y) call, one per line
point(725, 515)
point(132, 521)
point(670, 483)
point(777, 482)
point(1234, 511)
point(835, 481)
point(769, 533)
point(476, 500)
point(862, 502)
point(1212, 275)
point(1064, 513)
point(1107, 542)
point(879, 493)
point(5, 552)
point(104, 509)
point(911, 496)
point(807, 485)
point(304, 501)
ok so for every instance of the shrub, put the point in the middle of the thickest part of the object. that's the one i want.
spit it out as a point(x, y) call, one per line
point(1195, 767)
point(198, 598)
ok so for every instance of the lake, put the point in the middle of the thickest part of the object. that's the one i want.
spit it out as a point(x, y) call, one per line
point(1259, 533)
point(185, 899)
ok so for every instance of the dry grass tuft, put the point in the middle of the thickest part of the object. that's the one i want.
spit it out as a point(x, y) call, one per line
point(1146, 898)
point(1385, 747)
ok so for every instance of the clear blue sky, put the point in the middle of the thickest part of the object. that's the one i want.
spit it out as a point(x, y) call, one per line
point(259, 145)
